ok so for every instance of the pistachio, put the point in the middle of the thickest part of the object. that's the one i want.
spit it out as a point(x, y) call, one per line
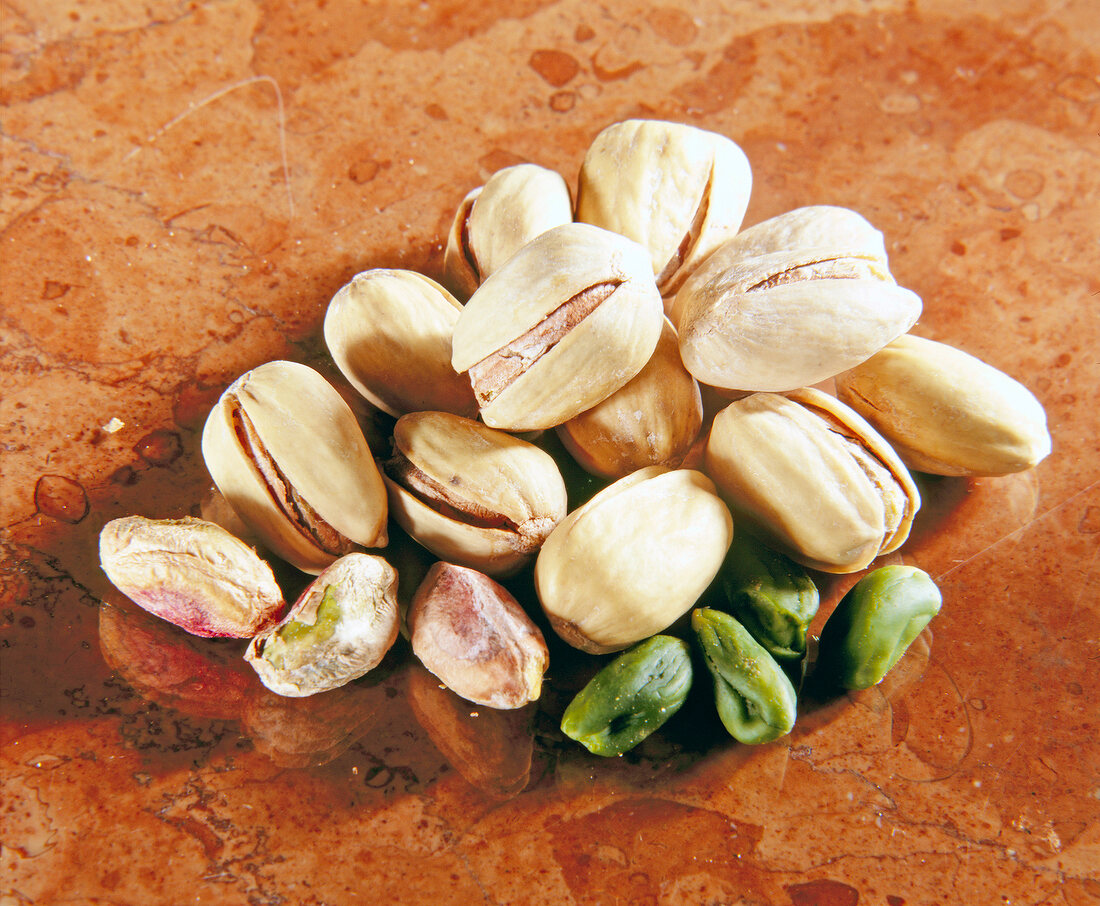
point(812, 478)
point(631, 697)
point(791, 302)
point(634, 559)
point(191, 573)
point(471, 494)
point(756, 701)
point(874, 624)
point(652, 421)
point(567, 321)
point(677, 190)
point(339, 629)
point(947, 412)
point(288, 455)
point(389, 332)
point(471, 633)
point(494, 221)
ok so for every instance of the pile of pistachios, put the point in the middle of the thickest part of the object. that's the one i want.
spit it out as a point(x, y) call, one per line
point(596, 322)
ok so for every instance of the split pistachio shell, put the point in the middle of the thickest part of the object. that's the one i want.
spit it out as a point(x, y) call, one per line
point(567, 321)
point(634, 559)
point(812, 477)
point(471, 494)
point(339, 629)
point(652, 421)
point(470, 632)
point(191, 573)
point(677, 190)
point(389, 332)
point(791, 302)
point(947, 412)
point(288, 455)
point(495, 220)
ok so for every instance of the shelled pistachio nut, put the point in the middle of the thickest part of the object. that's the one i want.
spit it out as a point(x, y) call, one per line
point(288, 455)
point(791, 302)
point(773, 597)
point(947, 412)
point(471, 494)
point(651, 421)
point(471, 633)
point(494, 221)
point(756, 701)
point(678, 190)
point(567, 321)
point(813, 478)
point(874, 624)
point(389, 332)
point(631, 697)
point(634, 559)
point(191, 573)
point(339, 629)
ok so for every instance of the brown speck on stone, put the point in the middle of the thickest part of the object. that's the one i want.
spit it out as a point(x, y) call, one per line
point(54, 289)
point(363, 171)
point(562, 101)
point(124, 475)
point(583, 33)
point(957, 248)
point(823, 893)
point(436, 112)
point(555, 66)
point(160, 447)
point(60, 498)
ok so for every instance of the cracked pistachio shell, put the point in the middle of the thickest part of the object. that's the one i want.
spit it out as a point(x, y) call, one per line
point(813, 478)
point(471, 494)
point(389, 332)
point(634, 559)
point(677, 190)
point(947, 412)
point(191, 573)
point(288, 455)
point(471, 633)
point(339, 629)
point(494, 221)
point(791, 302)
point(567, 321)
point(652, 421)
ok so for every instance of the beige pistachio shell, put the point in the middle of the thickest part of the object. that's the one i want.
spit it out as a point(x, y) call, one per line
point(389, 332)
point(653, 420)
point(757, 316)
point(288, 455)
point(633, 559)
point(677, 190)
point(811, 476)
point(339, 629)
point(192, 573)
point(567, 321)
point(947, 412)
point(471, 494)
point(514, 206)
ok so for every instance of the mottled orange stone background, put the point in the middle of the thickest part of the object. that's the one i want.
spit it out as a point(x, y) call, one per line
point(185, 185)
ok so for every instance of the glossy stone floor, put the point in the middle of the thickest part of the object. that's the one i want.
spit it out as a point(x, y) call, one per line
point(184, 187)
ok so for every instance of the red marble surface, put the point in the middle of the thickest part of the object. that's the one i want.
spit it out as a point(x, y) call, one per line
point(184, 186)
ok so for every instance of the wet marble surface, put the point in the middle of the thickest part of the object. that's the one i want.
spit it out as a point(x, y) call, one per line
point(184, 187)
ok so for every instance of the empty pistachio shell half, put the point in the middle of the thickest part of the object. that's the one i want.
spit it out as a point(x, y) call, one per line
point(470, 632)
point(812, 477)
point(652, 421)
point(191, 573)
point(564, 323)
point(677, 190)
point(947, 412)
point(494, 221)
point(288, 455)
point(471, 494)
point(791, 302)
point(633, 559)
point(389, 332)
point(339, 629)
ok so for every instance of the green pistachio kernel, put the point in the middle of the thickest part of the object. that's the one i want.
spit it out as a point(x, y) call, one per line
point(755, 699)
point(295, 632)
point(875, 623)
point(630, 697)
point(771, 596)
